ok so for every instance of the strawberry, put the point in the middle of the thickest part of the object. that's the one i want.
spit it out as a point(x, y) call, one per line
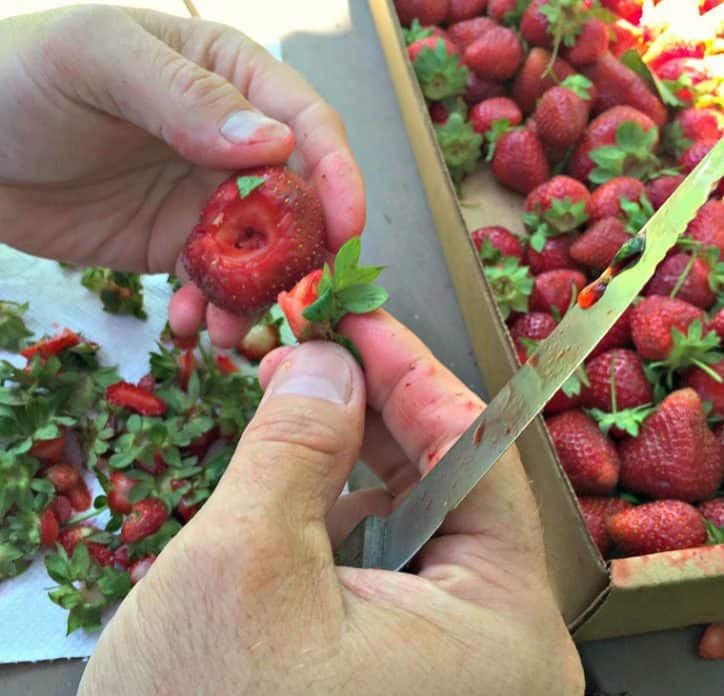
point(700, 124)
point(519, 162)
point(465, 32)
point(681, 76)
point(596, 511)
point(200, 446)
point(631, 148)
point(534, 25)
point(62, 509)
point(713, 510)
point(260, 340)
point(495, 55)
point(49, 528)
point(495, 241)
point(440, 111)
point(120, 557)
point(260, 232)
point(120, 487)
point(554, 255)
point(100, 553)
point(694, 154)
point(80, 496)
point(616, 85)
point(554, 290)
point(629, 10)
point(597, 246)
point(155, 467)
point(478, 90)
point(665, 525)
point(460, 10)
point(147, 382)
point(484, 114)
point(460, 146)
point(511, 285)
point(716, 324)
point(685, 276)
point(49, 347)
point(590, 45)
point(706, 5)
point(658, 190)
point(70, 537)
point(52, 450)
point(562, 113)
point(426, 11)
point(675, 454)
point(708, 384)
point(555, 207)
point(63, 476)
point(133, 398)
point(585, 453)
point(498, 9)
point(139, 569)
point(533, 78)
point(146, 518)
point(708, 225)
point(225, 364)
point(533, 326)
point(430, 42)
point(711, 643)
point(294, 302)
point(618, 336)
point(616, 381)
point(653, 319)
point(605, 201)
point(186, 511)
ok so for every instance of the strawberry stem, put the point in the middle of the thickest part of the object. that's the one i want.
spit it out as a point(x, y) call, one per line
point(682, 278)
point(705, 368)
point(84, 517)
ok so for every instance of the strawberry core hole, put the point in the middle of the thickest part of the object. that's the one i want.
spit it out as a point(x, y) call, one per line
point(250, 239)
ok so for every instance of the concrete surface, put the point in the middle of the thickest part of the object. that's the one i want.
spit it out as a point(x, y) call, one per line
point(335, 46)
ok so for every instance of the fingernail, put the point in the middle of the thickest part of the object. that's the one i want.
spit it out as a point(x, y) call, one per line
point(316, 370)
point(252, 127)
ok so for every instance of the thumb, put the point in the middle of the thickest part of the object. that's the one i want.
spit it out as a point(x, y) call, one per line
point(201, 115)
point(298, 450)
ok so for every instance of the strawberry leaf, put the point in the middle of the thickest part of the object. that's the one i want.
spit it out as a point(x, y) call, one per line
point(121, 293)
point(13, 330)
point(247, 184)
point(674, 143)
point(511, 284)
point(637, 212)
point(715, 535)
point(347, 257)
point(361, 299)
point(578, 84)
point(633, 60)
point(460, 146)
point(632, 155)
point(488, 253)
point(564, 215)
point(628, 420)
point(574, 384)
point(493, 134)
point(415, 32)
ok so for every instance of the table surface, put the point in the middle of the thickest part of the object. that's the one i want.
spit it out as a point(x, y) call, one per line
point(335, 47)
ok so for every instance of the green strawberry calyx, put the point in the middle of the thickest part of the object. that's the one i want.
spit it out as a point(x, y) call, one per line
point(674, 142)
point(497, 129)
point(628, 420)
point(511, 284)
point(121, 293)
point(580, 85)
point(460, 145)
point(632, 155)
point(349, 290)
point(439, 73)
point(13, 330)
point(563, 216)
point(715, 535)
point(247, 184)
point(415, 32)
point(636, 213)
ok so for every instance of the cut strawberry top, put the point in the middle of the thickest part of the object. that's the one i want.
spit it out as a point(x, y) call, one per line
point(294, 302)
point(51, 346)
point(134, 398)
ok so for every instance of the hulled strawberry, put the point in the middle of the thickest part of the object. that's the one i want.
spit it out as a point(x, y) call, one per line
point(260, 232)
point(495, 241)
point(562, 112)
point(534, 78)
point(556, 207)
point(688, 277)
point(708, 383)
point(465, 32)
point(675, 455)
point(555, 254)
point(487, 112)
point(145, 518)
point(495, 55)
point(425, 11)
point(587, 456)
point(260, 340)
point(664, 525)
point(659, 189)
point(554, 291)
point(519, 162)
point(596, 511)
point(616, 85)
point(597, 246)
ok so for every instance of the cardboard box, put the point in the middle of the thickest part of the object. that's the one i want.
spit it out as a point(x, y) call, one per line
point(598, 599)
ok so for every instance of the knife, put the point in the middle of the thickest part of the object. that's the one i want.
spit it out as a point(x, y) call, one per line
point(389, 543)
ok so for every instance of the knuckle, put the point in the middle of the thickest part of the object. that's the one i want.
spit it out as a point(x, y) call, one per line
point(190, 82)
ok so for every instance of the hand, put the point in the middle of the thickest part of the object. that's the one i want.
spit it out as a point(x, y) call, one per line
point(117, 124)
point(247, 599)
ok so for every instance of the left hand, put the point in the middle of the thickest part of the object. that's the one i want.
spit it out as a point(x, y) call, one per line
point(117, 124)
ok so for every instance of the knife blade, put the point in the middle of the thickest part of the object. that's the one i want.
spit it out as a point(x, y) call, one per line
point(390, 543)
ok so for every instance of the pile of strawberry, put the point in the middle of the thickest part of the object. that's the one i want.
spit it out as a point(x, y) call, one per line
point(595, 112)
point(158, 448)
